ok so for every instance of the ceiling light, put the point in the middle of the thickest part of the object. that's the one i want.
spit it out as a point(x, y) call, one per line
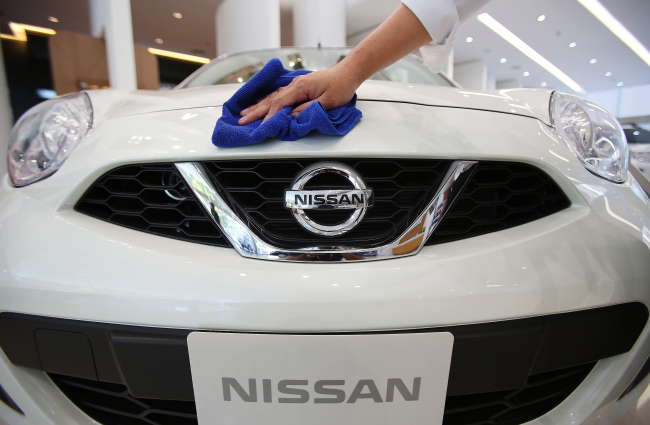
point(469, 39)
point(179, 56)
point(177, 15)
point(526, 74)
point(541, 18)
point(573, 44)
point(505, 33)
point(612, 24)
point(543, 84)
point(20, 31)
point(53, 19)
point(594, 60)
point(503, 60)
point(608, 74)
point(620, 83)
point(159, 41)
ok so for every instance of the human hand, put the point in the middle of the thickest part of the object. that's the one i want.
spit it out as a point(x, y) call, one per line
point(329, 87)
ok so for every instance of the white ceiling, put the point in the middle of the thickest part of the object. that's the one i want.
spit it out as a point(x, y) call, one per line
point(567, 21)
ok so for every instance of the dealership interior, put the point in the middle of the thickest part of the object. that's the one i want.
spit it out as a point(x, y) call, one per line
point(597, 49)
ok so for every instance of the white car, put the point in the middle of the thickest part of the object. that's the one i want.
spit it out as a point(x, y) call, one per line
point(459, 257)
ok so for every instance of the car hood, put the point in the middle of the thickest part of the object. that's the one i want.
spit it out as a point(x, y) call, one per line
point(533, 103)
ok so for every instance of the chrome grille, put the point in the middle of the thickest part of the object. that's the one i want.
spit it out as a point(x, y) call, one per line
point(154, 199)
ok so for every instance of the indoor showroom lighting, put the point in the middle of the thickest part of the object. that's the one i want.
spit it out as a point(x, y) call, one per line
point(180, 56)
point(619, 30)
point(20, 31)
point(507, 35)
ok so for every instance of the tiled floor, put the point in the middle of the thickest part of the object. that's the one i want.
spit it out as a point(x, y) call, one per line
point(639, 415)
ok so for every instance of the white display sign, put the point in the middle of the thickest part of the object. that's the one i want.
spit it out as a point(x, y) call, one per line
point(243, 379)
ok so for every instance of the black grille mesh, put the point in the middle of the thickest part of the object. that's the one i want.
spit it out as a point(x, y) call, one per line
point(154, 199)
point(499, 196)
point(151, 198)
point(401, 190)
point(111, 404)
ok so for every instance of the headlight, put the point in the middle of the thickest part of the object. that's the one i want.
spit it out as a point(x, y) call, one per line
point(45, 136)
point(593, 134)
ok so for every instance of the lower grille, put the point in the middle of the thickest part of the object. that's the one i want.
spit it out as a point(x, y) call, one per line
point(541, 394)
point(111, 404)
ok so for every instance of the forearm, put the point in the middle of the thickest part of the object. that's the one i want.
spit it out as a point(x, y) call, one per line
point(400, 34)
point(396, 37)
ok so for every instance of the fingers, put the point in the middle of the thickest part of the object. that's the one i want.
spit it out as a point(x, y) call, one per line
point(274, 102)
point(255, 112)
point(298, 110)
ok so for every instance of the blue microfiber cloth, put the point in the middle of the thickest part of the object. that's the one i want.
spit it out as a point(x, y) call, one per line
point(227, 133)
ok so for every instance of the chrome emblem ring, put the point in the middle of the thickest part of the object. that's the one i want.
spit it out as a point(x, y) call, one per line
point(358, 200)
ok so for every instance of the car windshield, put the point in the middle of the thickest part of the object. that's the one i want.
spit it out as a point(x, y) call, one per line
point(240, 67)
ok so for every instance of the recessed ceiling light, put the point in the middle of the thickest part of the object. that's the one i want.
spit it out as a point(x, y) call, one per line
point(240, 80)
point(159, 41)
point(573, 44)
point(469, 39)
point(620, 83)
point(177, 15)
point(507, 35)
point(541, 18)
point(543, 84)
point(608, 74)
point(53, 19)
point(612, 24)
point(526, 74)
point(593, 60)
point(503, 60)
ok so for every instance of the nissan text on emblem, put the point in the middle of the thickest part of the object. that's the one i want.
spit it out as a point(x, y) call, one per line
point(357, 199)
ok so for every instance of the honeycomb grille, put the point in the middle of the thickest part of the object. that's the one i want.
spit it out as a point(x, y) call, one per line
point(401, 191)
point(500, 196)
point(153, 199)
point(111, 404)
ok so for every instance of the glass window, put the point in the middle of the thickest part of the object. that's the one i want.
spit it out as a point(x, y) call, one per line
point(240, 67)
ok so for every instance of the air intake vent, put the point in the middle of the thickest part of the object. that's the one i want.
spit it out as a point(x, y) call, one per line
point(152, 199)
point(500, 195)
point(111, 404)
point(401, 189)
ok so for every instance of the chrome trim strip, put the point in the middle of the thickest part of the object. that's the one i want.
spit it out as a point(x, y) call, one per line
point(250, 245)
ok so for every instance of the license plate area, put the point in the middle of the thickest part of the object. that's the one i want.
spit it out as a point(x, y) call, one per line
point(285, 379)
